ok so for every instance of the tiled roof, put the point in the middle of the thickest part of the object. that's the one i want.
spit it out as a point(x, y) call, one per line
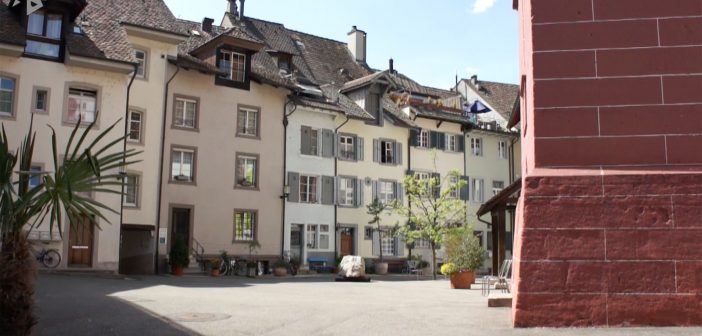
point(439, 113)
point(349, 106)
point(500, 96)
point(11, 31)
point(396, 113)
point(405, 83)
point(364, 80)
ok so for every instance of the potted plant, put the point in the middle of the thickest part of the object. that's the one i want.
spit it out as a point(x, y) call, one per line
point(252, 265)
point(465, 255)
point(375, 209)
point(215, 263)
point(280, 268)
point(178, 256)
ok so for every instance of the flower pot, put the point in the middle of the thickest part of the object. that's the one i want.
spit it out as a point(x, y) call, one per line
point(462, 279)
point(215, 272)
point(177, 270)
point(251, 271)
point(381, 268)
point(280, 271)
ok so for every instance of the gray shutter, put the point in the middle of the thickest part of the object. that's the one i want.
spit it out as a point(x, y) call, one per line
point(441, 137)
point(374, 190)
point(482, 191)
point(465, 190)
point(461, 142)
point(399, 192)
point(376, 150)
point(359, 149)
point(398, 153)
point(433, 139)
point(336, 145)
point(376, 243)
point(358, 193)
point(305, 140)
point(337, 182)
point(414, 137)
point(327, 190)
point(399, 246)
point(294, 183)
point(327, 143)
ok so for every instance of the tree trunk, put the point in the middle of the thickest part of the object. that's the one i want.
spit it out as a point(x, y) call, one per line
point(17, 275)
point(380, 243)
point(433, 261)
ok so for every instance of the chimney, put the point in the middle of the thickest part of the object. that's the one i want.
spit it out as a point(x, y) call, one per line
point(207, 24)
point(357, 44)
point(232, 9)
point(474, 79)
point(392, 66)
point(241, 11)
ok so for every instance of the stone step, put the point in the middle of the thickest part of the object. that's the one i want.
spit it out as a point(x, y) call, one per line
point(500, 300)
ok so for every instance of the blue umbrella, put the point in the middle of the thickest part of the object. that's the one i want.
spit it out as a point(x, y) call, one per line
point(477, 107)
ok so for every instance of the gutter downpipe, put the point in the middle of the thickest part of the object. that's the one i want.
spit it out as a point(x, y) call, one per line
point(284, 200)
point(336, 204)
point(124, 159)
point(161, 163)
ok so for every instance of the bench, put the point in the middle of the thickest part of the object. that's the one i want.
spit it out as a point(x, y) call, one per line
point(319, 264)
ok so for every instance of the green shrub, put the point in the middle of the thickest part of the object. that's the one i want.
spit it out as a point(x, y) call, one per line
point(280, 263)
point(179, 252)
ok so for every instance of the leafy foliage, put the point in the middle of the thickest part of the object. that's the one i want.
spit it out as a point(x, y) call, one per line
point(374, 209)
point(179, 255)
point(449, 268)
point(463, 249)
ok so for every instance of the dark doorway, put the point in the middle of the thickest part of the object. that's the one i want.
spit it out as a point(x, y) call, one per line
point(80, 244)
point(136, 250)
point(296, 241)
point(180, 225)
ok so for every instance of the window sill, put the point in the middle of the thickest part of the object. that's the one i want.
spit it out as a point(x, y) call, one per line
point(248, 136)
point(8, 116)
point(82, 125)
point(187, 129)
point(131, 207)
point(135, 143)
point(40, 112)
point(243, 241)
point(240, 187)
point(172, 181)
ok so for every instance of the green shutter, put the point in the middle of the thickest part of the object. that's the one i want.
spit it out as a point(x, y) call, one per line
point(414, 137)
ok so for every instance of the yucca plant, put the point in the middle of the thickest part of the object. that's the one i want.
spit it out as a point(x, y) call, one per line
point(83, 166)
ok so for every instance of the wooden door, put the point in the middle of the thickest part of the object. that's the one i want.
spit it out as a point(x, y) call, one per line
point(181, 225)
point(346, 242)
point(80, 240)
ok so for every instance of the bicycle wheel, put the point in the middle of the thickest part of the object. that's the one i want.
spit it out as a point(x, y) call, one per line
point(223, 267)
point(51, 259)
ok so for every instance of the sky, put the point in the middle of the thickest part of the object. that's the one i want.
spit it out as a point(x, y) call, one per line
point(430, 41)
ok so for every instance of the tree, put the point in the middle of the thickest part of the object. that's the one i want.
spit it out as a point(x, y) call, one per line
point(87, 167)
point(376, 208)
point(432, 209)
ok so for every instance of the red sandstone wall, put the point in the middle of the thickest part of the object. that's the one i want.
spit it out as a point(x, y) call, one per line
point(610, 221)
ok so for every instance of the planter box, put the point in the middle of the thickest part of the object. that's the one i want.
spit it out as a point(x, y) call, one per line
point(462, 280)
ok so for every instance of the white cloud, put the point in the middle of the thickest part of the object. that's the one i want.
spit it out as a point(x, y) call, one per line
point(481, 6)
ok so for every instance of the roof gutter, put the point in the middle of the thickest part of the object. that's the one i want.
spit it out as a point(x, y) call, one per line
point(336, 204)
point(283, 198)
point(124, 150)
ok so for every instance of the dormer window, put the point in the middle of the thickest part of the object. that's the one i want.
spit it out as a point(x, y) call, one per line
point(233, 64)
point(44, 34)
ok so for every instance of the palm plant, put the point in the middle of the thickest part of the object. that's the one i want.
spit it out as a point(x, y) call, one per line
point(85, 167)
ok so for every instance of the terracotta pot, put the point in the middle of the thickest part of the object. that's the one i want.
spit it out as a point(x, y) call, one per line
point(215, 272)
point(177, 270)
point(280, 271)
point(462, 279)
point(381, 268)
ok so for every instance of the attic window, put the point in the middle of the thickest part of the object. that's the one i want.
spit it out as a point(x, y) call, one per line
point(300, 44)
point(233, 64)
point(44, 34)
point(78, 30)
point(195, 33)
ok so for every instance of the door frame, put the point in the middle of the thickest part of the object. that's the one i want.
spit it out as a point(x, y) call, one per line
point(353, 227)
point(172, 206)
point(67, 245)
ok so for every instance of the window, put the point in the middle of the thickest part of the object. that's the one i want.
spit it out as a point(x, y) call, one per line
point(182, 165)
point(35, 179)
point(453, 182)
point(387, 151)
point(185, 115)
point(368, 233)
point(421, 243)
point(477, 188)
point(476, 146)
point(131, 191)
point(244, 225)
point(312, 236)
point(141, 58)
point(387, 243)
point(323, 237)
point(233, 64)
point(247, 171)
point(502, 149)
point(423, 139)
point(308, 189)
point(497, 186)
point(136, 120)
point(346, 191)
point(451, 143)
point(314, 142)
point(7, 96)
point(347, 147)
point(40, 103)
point(247, 122)
point(386, 192)
point(82, 105)
point(44, 34)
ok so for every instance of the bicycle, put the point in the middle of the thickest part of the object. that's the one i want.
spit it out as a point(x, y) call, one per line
point(50, 258)
point(228, 266)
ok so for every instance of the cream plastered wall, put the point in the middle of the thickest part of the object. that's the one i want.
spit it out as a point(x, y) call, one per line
point(147, 97)
point(373, 171)
point(54, 76)
point(214, 197)
point(306, 213)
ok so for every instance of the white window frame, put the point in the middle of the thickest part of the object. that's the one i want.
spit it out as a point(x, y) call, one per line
point(87, 100)
point(323, 232)
point(13, 94)
point(476, 146)
point(502, 149)
point(140, 124)
point(421, 243)
point(244, 237)
point(477, 187)
point(228, 58)
point(451, 143)
point(242, 162)
point(495, 189)
point(135, 187)
point(347, 147)
point(182, 109)
point(347, 193)
point(386, 191)
point(312, 236)
point(387, 243)
point(143, 63)
point(453, 180)
point(251, 115)
point(314, 142)
point(387, 148)
point(181, 153)
point(309, 191)
point(423, 139)
point(35, 100)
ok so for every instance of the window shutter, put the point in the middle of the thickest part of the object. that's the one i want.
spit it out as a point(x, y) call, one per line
point(414, 138)
point(337, 183)
point(398, 153)
point(376, 243)
point(461, 143)
point(482, 191)
point(442, 141)
point(294, 183)
point(305, 140)
point(399, 192)
point(465, 190)
point(327, 190)
point(336, 145)
point(358, 193)
point(433, 139)
point(376, 150)
point(399, 246)
point(359, 149)
point(374, 190)
point(327, 143)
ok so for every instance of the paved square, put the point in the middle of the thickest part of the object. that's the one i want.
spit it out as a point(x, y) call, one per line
point(72, 305)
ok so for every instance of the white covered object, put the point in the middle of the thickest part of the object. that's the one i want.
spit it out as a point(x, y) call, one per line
point(352, 267)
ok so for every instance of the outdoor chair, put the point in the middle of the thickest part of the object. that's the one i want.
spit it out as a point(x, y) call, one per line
point(413, 269)
point(501, 280)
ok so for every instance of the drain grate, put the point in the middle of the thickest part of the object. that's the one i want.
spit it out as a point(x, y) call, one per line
point(199, 317)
